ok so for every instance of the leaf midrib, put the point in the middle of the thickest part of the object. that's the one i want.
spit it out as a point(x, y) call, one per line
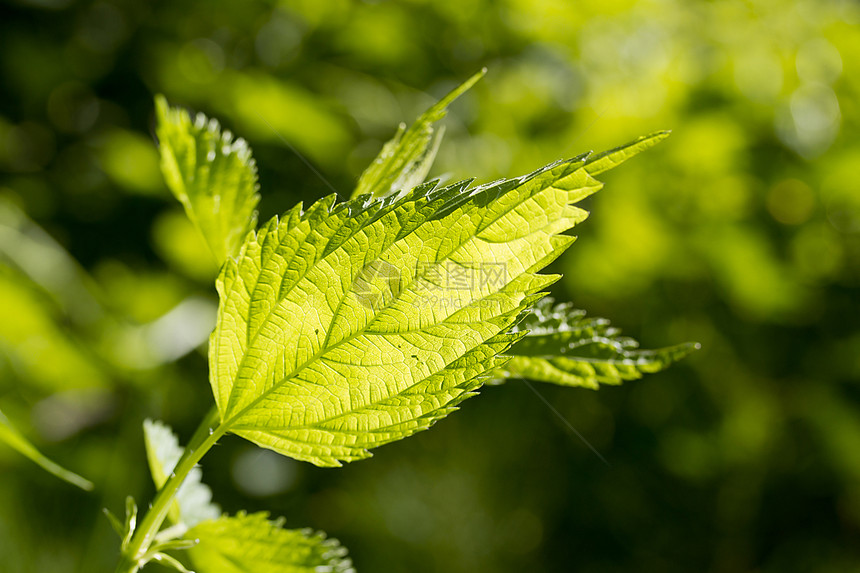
point(319, 354)
point(323, 350)
point(369, 405)
point(375, 217)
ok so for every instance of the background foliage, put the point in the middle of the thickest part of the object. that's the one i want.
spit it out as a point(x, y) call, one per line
point(742, 231)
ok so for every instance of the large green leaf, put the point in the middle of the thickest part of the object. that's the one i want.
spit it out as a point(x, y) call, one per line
point(212, 175)
point(345, 327)
point(253, 544)
point(14, 439)
point(406, 158)
point(193, 502)
point(563, 346)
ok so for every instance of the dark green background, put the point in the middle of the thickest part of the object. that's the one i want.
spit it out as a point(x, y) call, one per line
point(741, 231)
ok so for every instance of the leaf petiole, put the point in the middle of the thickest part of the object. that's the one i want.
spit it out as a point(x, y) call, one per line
point(136, 553)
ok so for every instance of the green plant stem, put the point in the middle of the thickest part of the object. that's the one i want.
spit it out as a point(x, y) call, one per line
point(204, 438)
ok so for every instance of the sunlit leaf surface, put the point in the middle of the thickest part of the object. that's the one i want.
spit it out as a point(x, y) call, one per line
point(212, 174)
point(345, 327)
point(254, 544)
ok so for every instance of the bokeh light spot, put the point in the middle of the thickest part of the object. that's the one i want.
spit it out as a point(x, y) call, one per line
point(791, 202)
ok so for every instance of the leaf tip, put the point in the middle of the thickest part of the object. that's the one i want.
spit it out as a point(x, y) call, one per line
point(683, 350)
point(474, 79)
point(81, 482)
point(162, 108)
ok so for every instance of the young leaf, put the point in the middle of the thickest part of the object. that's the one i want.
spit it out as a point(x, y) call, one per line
point(253, 544)
point(564, 347)
point(344, 328)
point(18, 442)
point(193, 502)
point(212, 175)
point(125, 529)
point(406, 159)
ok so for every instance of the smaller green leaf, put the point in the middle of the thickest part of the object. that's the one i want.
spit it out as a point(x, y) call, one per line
point(130, 521)
point(18, 442)
point(193, 502)
point(212, 175)
point(254, 544)
point(565, 347)
point(406, 159)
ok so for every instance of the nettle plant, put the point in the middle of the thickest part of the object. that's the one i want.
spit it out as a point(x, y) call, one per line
point(352, 324)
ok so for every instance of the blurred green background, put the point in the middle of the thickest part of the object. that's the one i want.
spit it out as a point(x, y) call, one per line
point(741, 231)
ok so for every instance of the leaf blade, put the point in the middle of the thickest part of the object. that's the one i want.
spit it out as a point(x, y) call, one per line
point(12, 437)
point(254, 544)
point(405, 160)
point(564, 347)
point(213, 175)
point(309, 402)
